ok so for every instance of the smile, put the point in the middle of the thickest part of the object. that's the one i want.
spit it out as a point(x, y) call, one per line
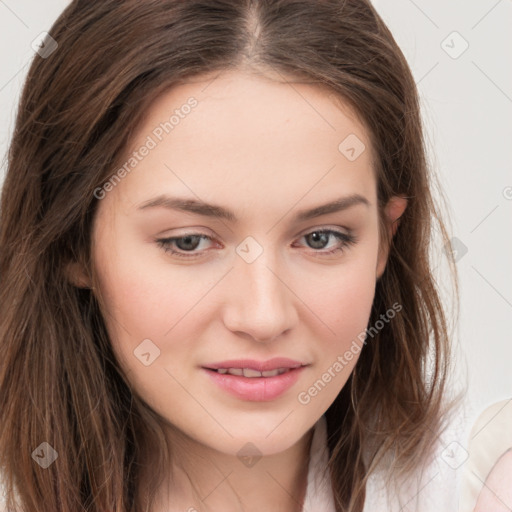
point(253, 380)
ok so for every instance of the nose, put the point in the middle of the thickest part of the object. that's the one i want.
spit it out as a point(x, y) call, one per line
point(260, 302)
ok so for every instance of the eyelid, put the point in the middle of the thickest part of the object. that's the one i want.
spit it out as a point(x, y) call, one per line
point(324, 227)
point(321, 227)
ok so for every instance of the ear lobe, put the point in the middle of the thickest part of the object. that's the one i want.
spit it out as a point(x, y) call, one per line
point(393, 210)
point(77, 276)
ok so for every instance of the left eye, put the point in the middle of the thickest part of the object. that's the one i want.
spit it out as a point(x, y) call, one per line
point(320, 237)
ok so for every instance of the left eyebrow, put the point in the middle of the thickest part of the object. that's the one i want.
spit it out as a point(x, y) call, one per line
point(343, 203)
point(216, 211)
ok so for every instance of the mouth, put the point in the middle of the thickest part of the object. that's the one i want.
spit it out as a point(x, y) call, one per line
point(251, 368)
point(249, 372)
point(255, 381)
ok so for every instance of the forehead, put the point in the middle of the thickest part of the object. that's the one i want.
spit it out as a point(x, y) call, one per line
point(245, 104)
point(258, 136)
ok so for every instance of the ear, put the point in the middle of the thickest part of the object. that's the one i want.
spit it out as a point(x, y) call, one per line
point(77, 276)
point(393, 211)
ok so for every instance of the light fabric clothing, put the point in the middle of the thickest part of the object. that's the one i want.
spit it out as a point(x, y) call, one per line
point(435, 489)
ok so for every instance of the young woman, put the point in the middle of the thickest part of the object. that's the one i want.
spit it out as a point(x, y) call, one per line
point(215, 286)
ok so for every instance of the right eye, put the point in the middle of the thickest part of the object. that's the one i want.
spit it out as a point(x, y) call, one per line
point(185, 244)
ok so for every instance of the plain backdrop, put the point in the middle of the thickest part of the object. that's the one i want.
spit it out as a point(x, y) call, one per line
point(460, 53)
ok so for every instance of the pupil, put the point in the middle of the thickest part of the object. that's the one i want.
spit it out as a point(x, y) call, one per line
point(318, 236)
point(187, 241)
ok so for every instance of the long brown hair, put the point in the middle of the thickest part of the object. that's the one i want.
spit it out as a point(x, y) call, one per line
point(59, 380)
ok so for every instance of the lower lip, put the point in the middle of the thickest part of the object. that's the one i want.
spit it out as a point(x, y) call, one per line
point(256, 389)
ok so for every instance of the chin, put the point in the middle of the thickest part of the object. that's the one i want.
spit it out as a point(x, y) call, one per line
point(265, 439)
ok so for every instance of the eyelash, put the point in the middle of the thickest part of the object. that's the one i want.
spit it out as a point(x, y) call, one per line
point(347, 239)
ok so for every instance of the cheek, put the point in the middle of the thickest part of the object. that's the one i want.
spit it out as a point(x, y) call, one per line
point(344, 306)
point(342, 299)
point(347, 313)
point(141, 298)
point(352, 302)
point(145, 302)
point(151, 329)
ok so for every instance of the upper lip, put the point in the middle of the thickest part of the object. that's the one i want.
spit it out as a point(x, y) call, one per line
point(261, 366)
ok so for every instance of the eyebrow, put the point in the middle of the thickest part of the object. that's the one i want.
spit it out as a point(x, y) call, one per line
point(215, 211)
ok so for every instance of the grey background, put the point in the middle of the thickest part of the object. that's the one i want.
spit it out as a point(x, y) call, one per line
point(467, 107)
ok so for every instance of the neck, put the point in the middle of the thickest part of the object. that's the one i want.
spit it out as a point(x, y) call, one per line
point(202, 479)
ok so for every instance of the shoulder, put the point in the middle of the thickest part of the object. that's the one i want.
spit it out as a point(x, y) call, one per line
point(489, 457)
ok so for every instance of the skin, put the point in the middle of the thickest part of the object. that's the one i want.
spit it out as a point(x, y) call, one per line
point(265, 150)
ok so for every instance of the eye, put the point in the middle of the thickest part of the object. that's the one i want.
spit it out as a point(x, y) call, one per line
point(317, 239)
point(185, 243)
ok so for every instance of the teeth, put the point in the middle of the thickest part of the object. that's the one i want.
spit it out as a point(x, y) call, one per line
point(249, 372)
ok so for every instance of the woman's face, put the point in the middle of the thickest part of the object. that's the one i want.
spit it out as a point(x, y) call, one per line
point(237, 170)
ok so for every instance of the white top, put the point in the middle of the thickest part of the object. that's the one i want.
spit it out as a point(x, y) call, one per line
point(436, 490)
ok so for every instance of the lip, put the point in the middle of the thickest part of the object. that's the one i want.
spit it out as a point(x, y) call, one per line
point(256, 389)
point(261, 366)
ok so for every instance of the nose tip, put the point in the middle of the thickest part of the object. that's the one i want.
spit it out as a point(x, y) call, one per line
point(254, 321)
